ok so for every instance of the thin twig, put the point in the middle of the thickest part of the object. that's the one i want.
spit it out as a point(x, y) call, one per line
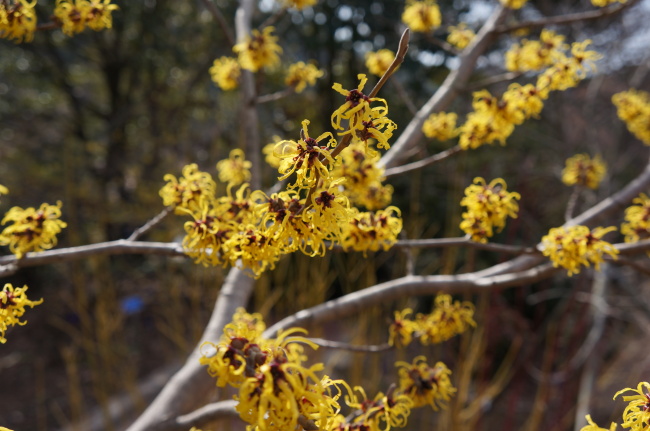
point(273, 18)
point(377, 348)
point(275, 96)
point(451, 49)
point(404, 96)
point(402, 48)
point(464, 242)
point(150, 224)
point(399, 170)
point(221, 20)
point(572, 202)
point(496, 79)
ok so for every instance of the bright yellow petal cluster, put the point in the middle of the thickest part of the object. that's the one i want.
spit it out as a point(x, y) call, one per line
point(299, 4)
point(441, 126)
point(603, 3)
point(379, 61)
point(32, 229)
point(363, 177)
point(259, 50)
point(186, 191)
point(234, 170)
point(17, 20)
point(269, 154)
point(575, 246)
point(633, 107)
point(381, 413)
point(370, 231)
point(582, 170)
point(488, 207)
point(535, 54)
point(225, 72)
point(636, 415)
point(13, 301)
point(302, 74)
point(513, 4)
point(75, 15)
point(357, 109)
point(425, 385)
point(422, 16)
point(447, 319)
point(460, 36)
point(494, 120)
point(637, 219)
point(591, 426)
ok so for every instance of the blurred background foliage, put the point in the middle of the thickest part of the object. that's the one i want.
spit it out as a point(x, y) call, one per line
point(98, 119)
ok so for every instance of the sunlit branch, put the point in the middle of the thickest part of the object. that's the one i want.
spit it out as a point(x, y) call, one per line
point(221, 20)
point(150, 224)
point(496, 79)
point(571, 204)
point(271, 20)
point(464, 242)
point(409, 167)
point(205, 414)
point(451, 49)
point(402, 48)
point(378, 348)
point(275, 96)
point(568, 18)
point(403, 95)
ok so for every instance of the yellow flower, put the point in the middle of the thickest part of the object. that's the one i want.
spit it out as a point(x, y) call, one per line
point(583, 170)
point(205, 235)
point(425, 384)
point(235, 169)
point(301, 74)
point(636, 415)
point(225, 72)
point(603, 3)
point(13, 301)
point(381, 413)
point(535, 54)
point(460, 36)
point(188, 190)
point(268, 150)
point(76, 15)
point(567, 71)
point(637, 219)
point(17, 20)
point(3, 190)
point(260, 50)
point(574, 246)
point(356, 108)
point(299, 4)
point(488, 207)
point(32, 229)
point(440, 126)
point(253, 249)
point(330, 211)
point(447, 320)
point(372, 230)
point(304, 157)
point(513, 4)
point(422, 16)
point(593, 427)
point(401, 329)
point(633, 107)
point(379, 62)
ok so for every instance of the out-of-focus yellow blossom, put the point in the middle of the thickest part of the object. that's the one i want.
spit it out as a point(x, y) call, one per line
point(370, 231)
point(488, 207)
point(31, 229)
point(3, 190)
point(424, 384)
point(186, 191)
point(591, 426)
point(447, 319)
point(460, 36)
point(17, 20)
point(7, 429)
point(637, 220)
point(378, 62)
point(299, 4)
point(535, 54)
point(633, 107)
point(304, 157)
point(302, 74)
point(582, 170)
point(636, 415)
point(269, 156)
point(356, 108)
point(422, 16)
point(13, 301)
point(363, 177)
point(234, 170)
point(76, 15)
point(400, 331)
point(567, 71)
point(225, 72)
point(603, 3)
point(440, 126)
point(259, 50)
point(513, 4)
point(575, 246)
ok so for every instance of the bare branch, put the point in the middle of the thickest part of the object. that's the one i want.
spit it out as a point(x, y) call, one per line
point(275, 96)
point(150, 224)
point(221, 20)
point(402, 48)
point(464, 242)
point(207, 413)
point(378, 348)
point(399, 170)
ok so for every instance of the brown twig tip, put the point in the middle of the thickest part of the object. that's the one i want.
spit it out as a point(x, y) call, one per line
point(403, 44)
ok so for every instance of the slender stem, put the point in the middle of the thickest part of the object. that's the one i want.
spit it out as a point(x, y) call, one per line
point(378, 348)
point(150, 224)
point(221, 20)
point(399, 170)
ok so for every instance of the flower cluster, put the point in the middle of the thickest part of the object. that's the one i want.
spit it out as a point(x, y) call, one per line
point(535, 54)
point(302, 74)
point(363, 183)
point(513, 4)
point(378, 62)
point(633, 107)
point(31, 229)
point(75, 15)
point(603, 3)
point(460, 36)
point(186, 192)
point(299, 4)
point(584, 171)
point(447, 319)
point(276, 391)
point(382, 412)
point(575, 246)
point(591, 426)
point(225, 72)
point(441, 126)
point(259, 50)
point(17, 20)
point(637, 219)
point(425, 385)
point(636, 415)
point(234, 170)
point(422, 16)
point(372, 230)
point(488, 207)
point(13, 301)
